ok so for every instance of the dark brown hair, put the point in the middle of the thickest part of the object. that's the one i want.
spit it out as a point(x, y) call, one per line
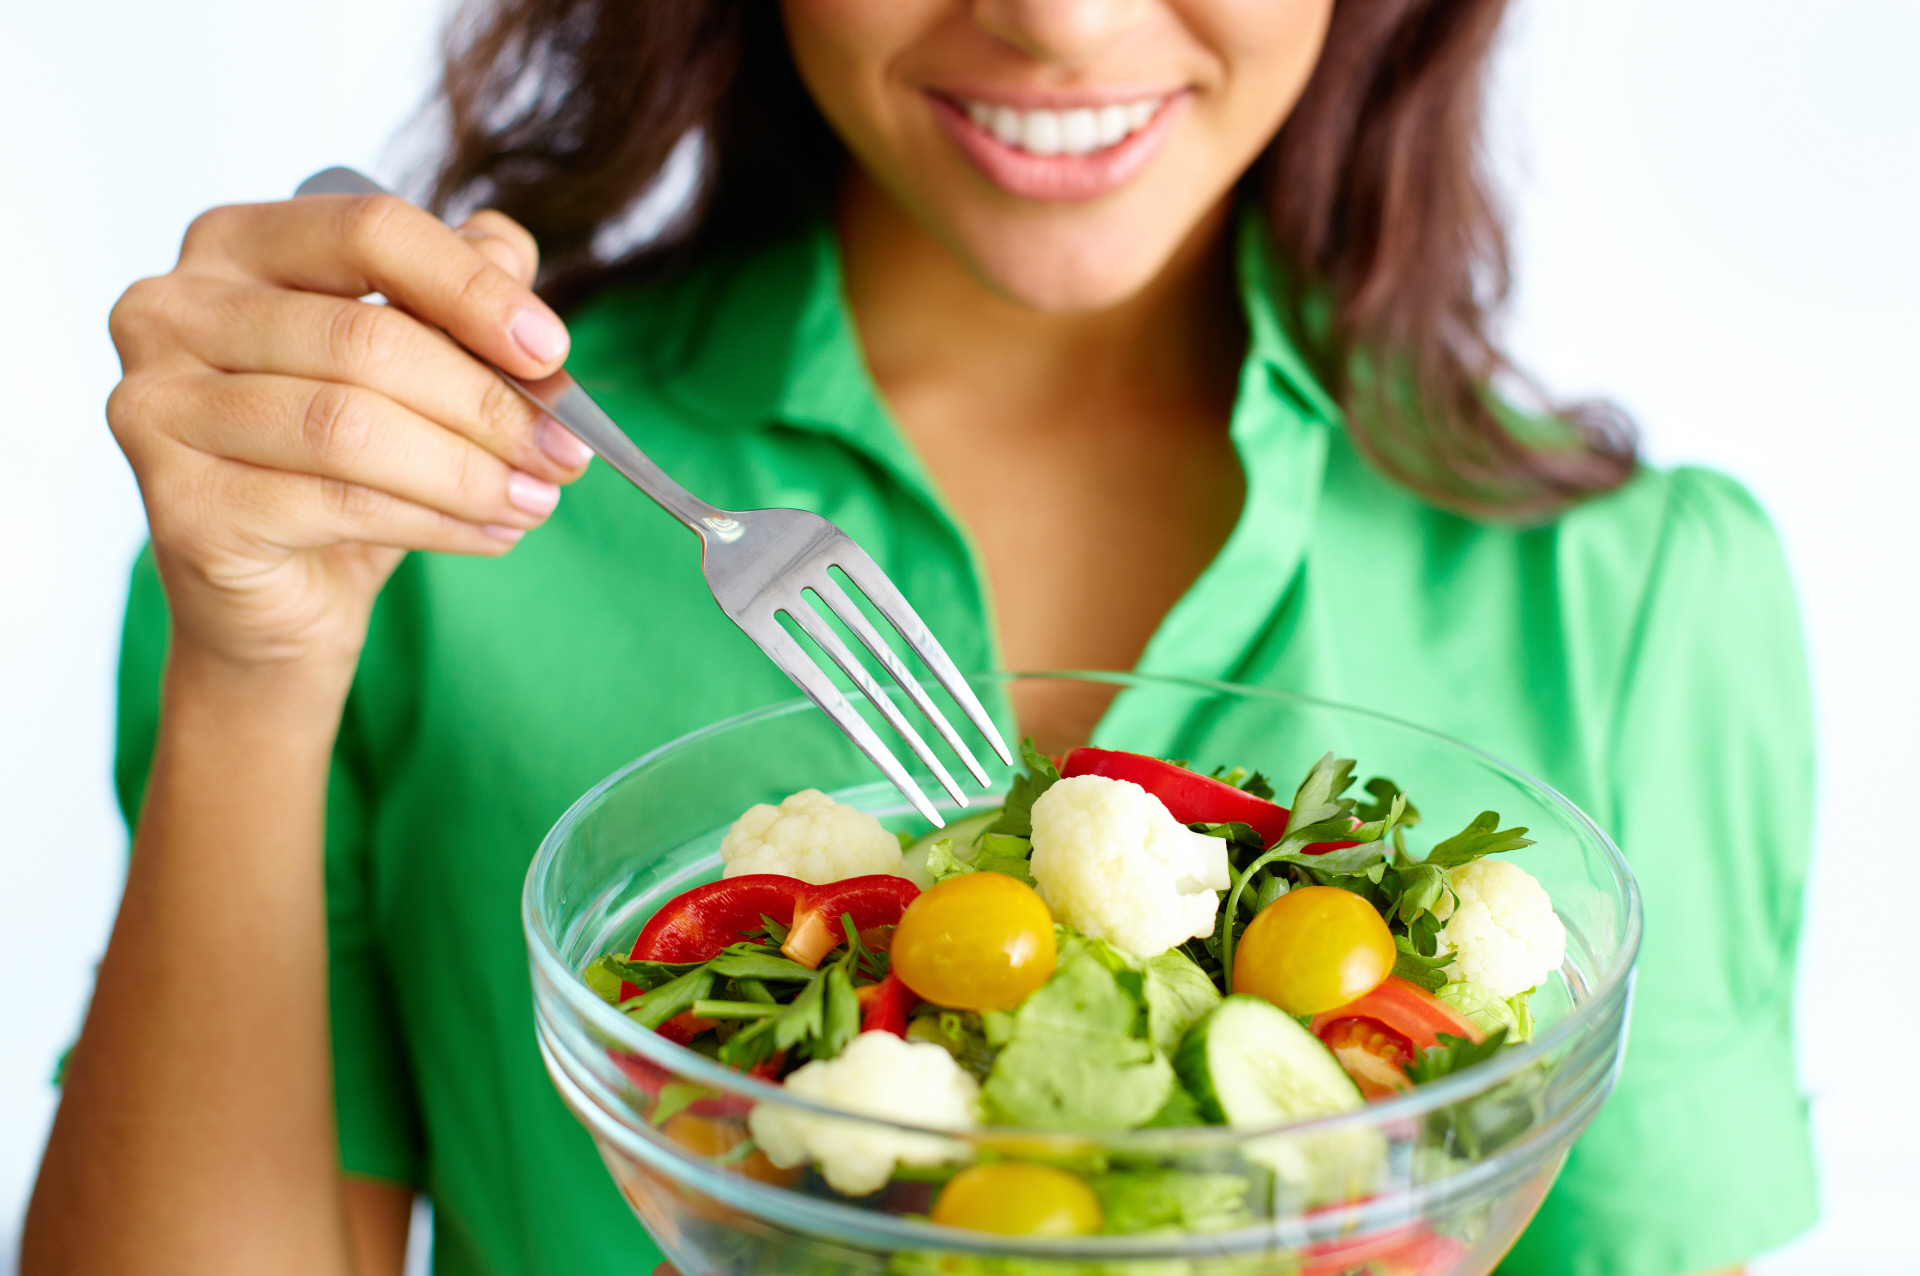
point(564, 112)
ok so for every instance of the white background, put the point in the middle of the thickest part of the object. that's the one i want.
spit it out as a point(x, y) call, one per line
point(1715, 204)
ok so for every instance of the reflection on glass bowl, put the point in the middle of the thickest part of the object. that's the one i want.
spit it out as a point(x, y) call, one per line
point(1437, 1182)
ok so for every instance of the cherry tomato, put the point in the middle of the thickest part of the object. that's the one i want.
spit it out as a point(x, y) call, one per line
point(1313, 949)
point(714, 1138)
point(1015, 1198)
point(979, 942)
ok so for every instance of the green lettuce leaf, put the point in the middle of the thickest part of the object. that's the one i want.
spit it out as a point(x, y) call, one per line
point(1072, 1059)
point(993, 853)
point(1149, 1200)
point(1476, 1001)
point(1016, 817)
point(1522, 1016)
point(1178, 993)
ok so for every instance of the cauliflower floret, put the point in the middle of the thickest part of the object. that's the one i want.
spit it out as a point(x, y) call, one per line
point(1503, 931)
point(879, 1075)
point(812, 837)
point(1112, 862)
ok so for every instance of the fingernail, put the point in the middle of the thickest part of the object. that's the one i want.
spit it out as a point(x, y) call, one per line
point(501, 532)
point(539, 333)
point(531, 495)
point(561, 446)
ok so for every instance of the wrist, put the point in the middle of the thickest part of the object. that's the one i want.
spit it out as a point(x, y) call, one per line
point(284, 702)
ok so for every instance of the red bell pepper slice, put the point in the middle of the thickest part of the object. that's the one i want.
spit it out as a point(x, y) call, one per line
point(874, 900)
point(696, 925)
point(1190, 797)
point(884, 1006)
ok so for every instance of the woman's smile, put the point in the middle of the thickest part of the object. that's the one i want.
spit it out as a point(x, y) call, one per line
point(1060, 154)
point(1066, 146)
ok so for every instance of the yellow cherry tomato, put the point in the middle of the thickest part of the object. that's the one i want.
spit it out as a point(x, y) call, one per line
point(716, 1137)
point(1014, 1198)
point(979, 942)
point(1314, 949)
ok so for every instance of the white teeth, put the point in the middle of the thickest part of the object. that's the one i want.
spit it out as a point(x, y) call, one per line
point(1040, 132)
point(1079, 131)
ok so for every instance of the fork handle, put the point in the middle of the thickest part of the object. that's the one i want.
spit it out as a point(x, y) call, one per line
point(561, 397)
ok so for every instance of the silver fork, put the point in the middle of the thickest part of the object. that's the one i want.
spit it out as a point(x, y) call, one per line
point(760, 563)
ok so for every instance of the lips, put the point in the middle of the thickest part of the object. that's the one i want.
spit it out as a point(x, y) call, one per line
point(1065, 151)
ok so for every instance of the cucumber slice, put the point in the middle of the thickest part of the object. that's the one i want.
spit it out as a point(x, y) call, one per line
point(1249, 1063)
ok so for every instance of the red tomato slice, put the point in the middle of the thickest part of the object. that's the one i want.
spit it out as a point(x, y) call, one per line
point(1412, 1250)
point(1376, 1057)
point(1404, 1008)
point(1192, 798)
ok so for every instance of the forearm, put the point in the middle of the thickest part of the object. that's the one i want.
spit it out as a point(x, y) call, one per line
point(196, 1128)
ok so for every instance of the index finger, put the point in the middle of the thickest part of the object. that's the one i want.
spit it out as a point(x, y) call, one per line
point(352, 245)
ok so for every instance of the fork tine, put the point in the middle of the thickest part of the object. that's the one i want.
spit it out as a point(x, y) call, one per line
point(871, 581)
point(780, 648)
point(829, 591)
point(817, 629)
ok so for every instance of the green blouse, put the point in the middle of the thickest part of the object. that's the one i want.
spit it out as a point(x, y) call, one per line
point(1642, 654)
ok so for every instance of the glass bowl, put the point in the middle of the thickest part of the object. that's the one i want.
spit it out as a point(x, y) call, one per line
point(1436, 1182)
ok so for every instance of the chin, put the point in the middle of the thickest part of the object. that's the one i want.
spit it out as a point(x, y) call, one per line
point(1068, 260)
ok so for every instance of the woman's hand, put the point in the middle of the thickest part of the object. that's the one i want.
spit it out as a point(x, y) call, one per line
point(291, 441)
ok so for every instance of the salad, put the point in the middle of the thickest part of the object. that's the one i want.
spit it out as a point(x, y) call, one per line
point(1128, 943)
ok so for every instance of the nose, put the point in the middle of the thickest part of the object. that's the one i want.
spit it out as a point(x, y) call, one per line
point(1066, 32)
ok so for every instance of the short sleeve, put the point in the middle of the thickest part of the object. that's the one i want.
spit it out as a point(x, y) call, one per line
point(373, 1097)
point(1702, 1158)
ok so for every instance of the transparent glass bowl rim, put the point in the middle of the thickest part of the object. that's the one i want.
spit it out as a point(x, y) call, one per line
point(618, 1030)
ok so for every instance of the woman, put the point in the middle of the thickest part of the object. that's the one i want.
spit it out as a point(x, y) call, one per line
point(1124, 333)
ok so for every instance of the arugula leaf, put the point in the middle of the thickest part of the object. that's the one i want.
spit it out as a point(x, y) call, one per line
point(1415, 969)
point(1318, 799)
point(1452, 1054)
point(664, 1002)
point(1016, 817)
point(1384, 792)
point(1249, 782)
point(1073, 1061)
point(751, 961)
point(1422, 886)
point(644, 975)
point(840, 1013)
point(1146, 1200)
point(1483, 836)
